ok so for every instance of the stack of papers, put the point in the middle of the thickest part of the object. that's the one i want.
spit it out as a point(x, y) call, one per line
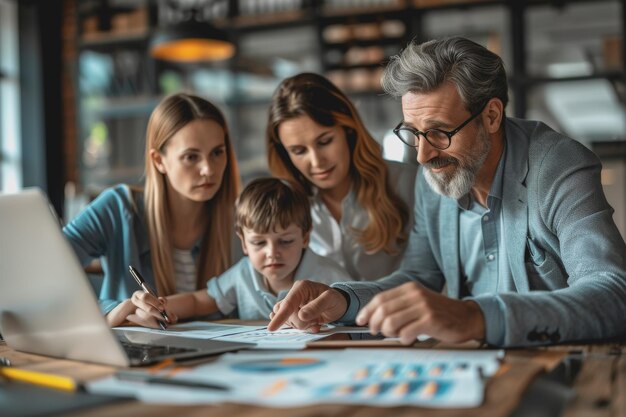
point(285, 338)
point(196, 330)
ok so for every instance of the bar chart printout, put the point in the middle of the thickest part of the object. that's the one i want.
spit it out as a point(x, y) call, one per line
point(377, 377)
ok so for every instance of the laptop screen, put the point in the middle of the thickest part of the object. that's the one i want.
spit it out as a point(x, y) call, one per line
point(47, 305)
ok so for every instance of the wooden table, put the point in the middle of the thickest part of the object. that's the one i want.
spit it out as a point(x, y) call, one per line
point(600, 387)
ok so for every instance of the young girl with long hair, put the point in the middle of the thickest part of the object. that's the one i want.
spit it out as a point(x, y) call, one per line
point(178, 230)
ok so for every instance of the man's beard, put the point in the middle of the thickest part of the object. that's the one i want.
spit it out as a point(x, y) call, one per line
point(459, 181)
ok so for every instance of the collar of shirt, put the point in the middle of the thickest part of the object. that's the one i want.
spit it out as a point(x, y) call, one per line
point(348, 200)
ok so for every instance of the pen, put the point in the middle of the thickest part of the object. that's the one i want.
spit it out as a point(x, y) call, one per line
point(134, 376)
point(60, 382)
point(148, 290)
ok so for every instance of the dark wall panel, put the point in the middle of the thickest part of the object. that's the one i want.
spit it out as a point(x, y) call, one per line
point(41, 110)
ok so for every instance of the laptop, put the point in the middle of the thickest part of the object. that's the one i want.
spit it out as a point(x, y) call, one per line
point(48, 307)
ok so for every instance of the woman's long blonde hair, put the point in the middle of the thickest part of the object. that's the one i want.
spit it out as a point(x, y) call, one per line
point(171, 115)
point(316, 97)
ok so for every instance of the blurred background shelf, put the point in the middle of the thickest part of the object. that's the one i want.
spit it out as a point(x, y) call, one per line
point(109, 42)
point(565, 62)
point(74, 107)
point(124, 107)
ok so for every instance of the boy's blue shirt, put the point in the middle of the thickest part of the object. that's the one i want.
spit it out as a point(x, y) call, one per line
point(241, 290)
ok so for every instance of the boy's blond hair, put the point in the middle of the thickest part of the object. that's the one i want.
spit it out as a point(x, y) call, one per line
point(268, 203)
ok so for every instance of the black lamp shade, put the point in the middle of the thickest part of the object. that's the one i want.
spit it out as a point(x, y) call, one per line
point(191, 42)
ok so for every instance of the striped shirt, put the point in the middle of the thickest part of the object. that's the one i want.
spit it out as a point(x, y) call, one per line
point(184, 271)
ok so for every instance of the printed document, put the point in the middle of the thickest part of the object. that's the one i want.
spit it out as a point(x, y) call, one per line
point(378, 377)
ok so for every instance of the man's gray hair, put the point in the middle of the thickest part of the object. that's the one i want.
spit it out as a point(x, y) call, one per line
point(477, 73)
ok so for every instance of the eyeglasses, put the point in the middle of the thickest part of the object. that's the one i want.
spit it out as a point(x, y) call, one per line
point(439, 139)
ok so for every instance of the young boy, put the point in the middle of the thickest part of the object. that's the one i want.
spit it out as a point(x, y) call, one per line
point(273, 221)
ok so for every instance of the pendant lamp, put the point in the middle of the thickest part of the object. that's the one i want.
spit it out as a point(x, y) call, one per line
point(191, 41)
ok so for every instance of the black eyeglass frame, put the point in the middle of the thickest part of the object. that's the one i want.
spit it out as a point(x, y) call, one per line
point(449, 134)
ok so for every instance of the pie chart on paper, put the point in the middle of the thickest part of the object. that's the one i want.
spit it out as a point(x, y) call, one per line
point(277, 365)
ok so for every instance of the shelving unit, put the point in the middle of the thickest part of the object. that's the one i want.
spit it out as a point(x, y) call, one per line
point(116, 89)
point(348, 40)
point(353, 46)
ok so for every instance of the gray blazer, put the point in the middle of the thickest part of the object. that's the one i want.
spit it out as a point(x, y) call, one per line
point(566, 255)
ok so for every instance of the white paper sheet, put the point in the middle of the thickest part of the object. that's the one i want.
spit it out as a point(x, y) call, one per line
point(280, 339)
point(285, 338)
point(377, 377)
point(196, 329)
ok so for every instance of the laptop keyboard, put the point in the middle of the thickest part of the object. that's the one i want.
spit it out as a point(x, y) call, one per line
point(145, 353)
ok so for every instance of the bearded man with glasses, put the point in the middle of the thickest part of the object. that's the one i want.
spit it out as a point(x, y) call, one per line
point(510, 218)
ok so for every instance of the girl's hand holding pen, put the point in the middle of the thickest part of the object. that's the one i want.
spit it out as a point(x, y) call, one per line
point(142, 309)
point(148, 303)
point(149, 310)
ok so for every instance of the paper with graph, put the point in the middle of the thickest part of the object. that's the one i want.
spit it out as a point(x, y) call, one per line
point(378, 377)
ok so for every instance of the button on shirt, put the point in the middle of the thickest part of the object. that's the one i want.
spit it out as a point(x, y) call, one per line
point(338, 241)
point(482, 250)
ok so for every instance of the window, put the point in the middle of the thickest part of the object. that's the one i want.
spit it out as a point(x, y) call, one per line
point(10, 147)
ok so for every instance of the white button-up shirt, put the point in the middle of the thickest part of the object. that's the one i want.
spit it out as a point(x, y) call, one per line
point(337, 240)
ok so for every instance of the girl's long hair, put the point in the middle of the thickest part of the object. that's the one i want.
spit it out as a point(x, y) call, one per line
point(171, 115)
point(316, 97)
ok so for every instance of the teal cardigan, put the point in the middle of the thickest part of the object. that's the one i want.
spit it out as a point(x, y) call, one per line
point(113, 228)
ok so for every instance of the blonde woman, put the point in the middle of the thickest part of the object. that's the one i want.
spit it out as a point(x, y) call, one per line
point(360, 202)
point(178, 231)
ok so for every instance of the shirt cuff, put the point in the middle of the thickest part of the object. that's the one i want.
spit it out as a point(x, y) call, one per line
point(493, 311)
point(354, 305)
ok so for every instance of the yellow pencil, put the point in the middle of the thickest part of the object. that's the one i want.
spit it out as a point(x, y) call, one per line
point(64, 383)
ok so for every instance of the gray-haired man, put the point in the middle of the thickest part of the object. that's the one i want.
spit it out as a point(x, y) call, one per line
point(509, 215)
